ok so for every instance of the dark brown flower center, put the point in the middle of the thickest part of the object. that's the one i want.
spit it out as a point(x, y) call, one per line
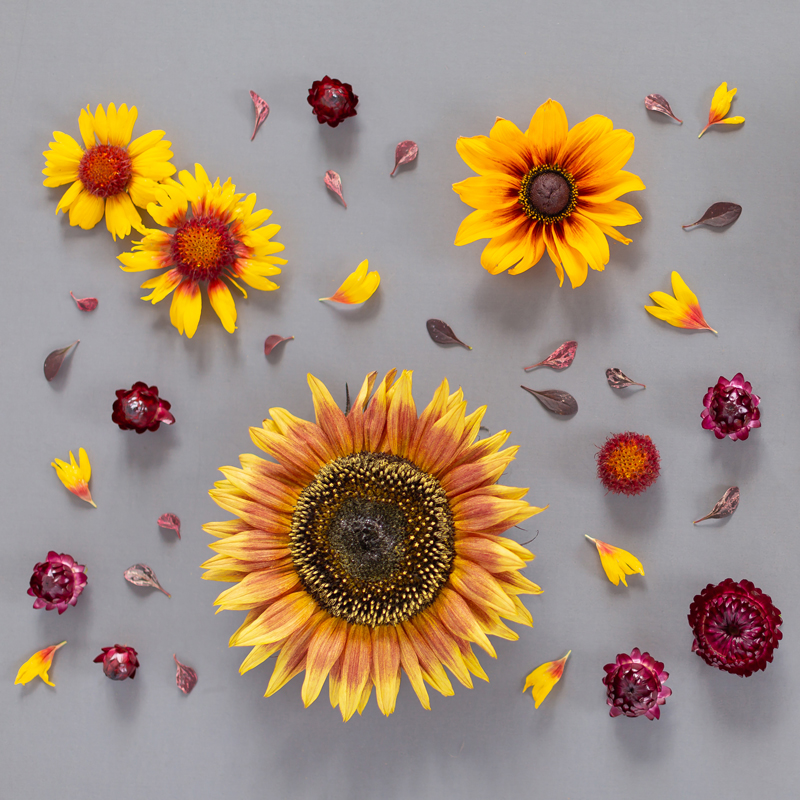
point(548, 193)
point(105, 170)
point(202, 248)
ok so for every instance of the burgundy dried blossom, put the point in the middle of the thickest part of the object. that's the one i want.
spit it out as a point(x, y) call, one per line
point(736, 627)
point(140, 409)
point(119, 662)
point(635, 685)
point(731, 408)
point(628, 463)
point(332, 101)
point(57, 582)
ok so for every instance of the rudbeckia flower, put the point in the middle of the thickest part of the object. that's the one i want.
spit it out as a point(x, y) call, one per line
point(75, 476)
point(358, 286)
point(37, 666)
point(371, 546)
point(113, 174)
point(617, 562)
point(222, 237)
point(549, 188)
point(720, 106)
point(681, 311)
point(544, 678)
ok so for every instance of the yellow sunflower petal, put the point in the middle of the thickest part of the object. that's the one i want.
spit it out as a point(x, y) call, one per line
point(484, 156)
point(544, 678)
point(37, 666)
point(221, 300)
point(86, 211)
point(617, 563)
point(358, 287)
point(547, 131)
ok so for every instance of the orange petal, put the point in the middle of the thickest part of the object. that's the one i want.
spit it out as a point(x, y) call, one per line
point(544, 678)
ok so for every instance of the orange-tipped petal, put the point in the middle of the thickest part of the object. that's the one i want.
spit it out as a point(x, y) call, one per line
point(683, 310)
point(75, 475)
point(720, 106)
point(358, 287)
point(38, 665)
point(617, 562)
point(544, 678)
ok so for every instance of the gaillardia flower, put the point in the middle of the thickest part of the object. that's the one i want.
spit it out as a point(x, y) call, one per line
point(119, 662)
point(140, 409)
point(113, 174)
point(548, 188)
point(222, 237)
point(736, 627)
point(635, 685)
point(731, 408)
point(372, 547)
point(57, 582)
point(628, 463)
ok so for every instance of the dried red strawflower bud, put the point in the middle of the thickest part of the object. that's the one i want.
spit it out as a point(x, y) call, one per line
point(119, 662)
point(57, 582)
point(332, 101)
point(140, 409)
point(731, 408)
point(635, 685)
point(736, 627)
point(628, 463)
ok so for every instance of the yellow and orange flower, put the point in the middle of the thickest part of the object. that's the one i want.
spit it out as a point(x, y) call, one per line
point(544, 678)
point(617, 562)
point(223, 237)
point(683, 310)
point(549, 188)
point(720, 106)
point(113, 174)
point(358, 286)
point(37, 666)
point(75, 476)
point(372, 547)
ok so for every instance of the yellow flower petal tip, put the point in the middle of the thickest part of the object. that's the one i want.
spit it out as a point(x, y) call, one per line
point(38, 665)
point(617, 562)
point(75, 475)
point(358, 287)
point(544, 678)
point(720, 106)
point(683, 310)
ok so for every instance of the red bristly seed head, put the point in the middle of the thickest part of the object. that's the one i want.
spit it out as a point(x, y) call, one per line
point(119, 662)
point(332, 101)
point(731, 408)
point(140, 409)
point(635, 685)
point(57, 582)
point(628, 463)
point(105, 170)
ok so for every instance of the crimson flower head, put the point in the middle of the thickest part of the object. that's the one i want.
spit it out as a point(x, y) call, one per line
point(736, 627)
point(635, 685)
point(140, 409)
point(731, 408)
point(57, 582)
point(332, 101)
point(119, 662)
point(628, 463)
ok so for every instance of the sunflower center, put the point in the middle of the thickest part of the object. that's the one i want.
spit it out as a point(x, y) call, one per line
point(372, 539)
point(548, 193)
point(202, 248)
point(105, 170)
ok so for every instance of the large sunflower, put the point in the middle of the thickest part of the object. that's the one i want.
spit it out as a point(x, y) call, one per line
point(372, 547)
point(549, 187)
point(223, 237)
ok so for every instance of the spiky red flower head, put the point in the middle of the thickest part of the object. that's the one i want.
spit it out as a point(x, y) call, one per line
point(57, 582)
point(635, 685)
point(332, 101)
point(119, 662)
point(736, 627)
point(140, 409)
point(731, 408)
point(628, 463)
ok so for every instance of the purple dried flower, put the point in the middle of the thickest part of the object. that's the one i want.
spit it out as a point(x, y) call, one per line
point(57, 582)
point(731, 408)
point(635, 685)
point(140, 409)
point(332, 101)
point(119, 662)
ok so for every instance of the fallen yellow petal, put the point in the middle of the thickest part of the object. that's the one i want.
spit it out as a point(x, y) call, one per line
point(720, 106)
point(617, 562)
point(358, 287)
point(38, 665)
point(544, 678)
point(75, 476)
point(682, 311)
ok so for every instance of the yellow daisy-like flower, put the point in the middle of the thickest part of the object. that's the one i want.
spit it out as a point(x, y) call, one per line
point(222, 237)
point(75, 475)
point(372, 547)
point(38, 665)
point(550, 188)
point(113, 174)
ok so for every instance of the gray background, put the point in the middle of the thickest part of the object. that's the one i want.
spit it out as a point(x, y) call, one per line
point(429, 72)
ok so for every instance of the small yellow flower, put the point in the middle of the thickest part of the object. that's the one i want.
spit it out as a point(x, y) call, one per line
point(357, 287)
point(75, 476)
point(38, 664)
point(617, 562)
point(544, 678)
point(683, 310)
point(720, 106)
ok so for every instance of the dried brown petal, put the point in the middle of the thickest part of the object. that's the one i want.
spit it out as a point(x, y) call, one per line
point(656, 102)
point(142, 575)
point(262, 112)
point(85, 303)
point(617, 379)
point(725, 507)
point(556, 401)
point(718, 216)
point(334, 183)
point(271, 342)
point(186, 677)
point(404, 153)
point(442, 333)
point(170, 522)
point(560, 358)
point(53, 362)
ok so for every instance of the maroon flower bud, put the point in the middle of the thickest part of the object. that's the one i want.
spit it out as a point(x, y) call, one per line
point(140, 409)
point(119, 662)
point(57, 582)
point(332, 101)
point(731, 408)
point(635, 685)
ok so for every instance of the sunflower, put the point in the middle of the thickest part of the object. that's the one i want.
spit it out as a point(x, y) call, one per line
point(113, 174)
point(222, 238)
point(372, 547)
point(548, 188)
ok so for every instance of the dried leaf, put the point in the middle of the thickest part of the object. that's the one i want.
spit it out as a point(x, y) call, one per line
point(262, 112)
point(53, 362)
point(85, 303)
point(561, 403)
point(334, 183)
point(186, 677)
point(725, 507)
point(170, 522)
point(560, 358)
point(617, 379)
point(142, 575)
point(271, 342)
point(718, 216)
point(656, 102)
point(404, 153)
point(442, 333)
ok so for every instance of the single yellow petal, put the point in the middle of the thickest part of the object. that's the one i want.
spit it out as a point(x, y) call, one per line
point(544, 678)
point(38, 665)
point(74, 476)
point(682, 311)
point(547, 131)
point(222, 302)
point(358, 287)
point(617, 562)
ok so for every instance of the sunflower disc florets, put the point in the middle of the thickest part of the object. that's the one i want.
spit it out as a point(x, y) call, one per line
point(635, 685)
point(119, 662)
point(731, 408)
point(57, 582)
point(332, 101)
point(140, 409)
point(628, 463)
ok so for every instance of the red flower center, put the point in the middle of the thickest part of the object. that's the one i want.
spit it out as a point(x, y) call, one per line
point(202, 248)
point(105, 170)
